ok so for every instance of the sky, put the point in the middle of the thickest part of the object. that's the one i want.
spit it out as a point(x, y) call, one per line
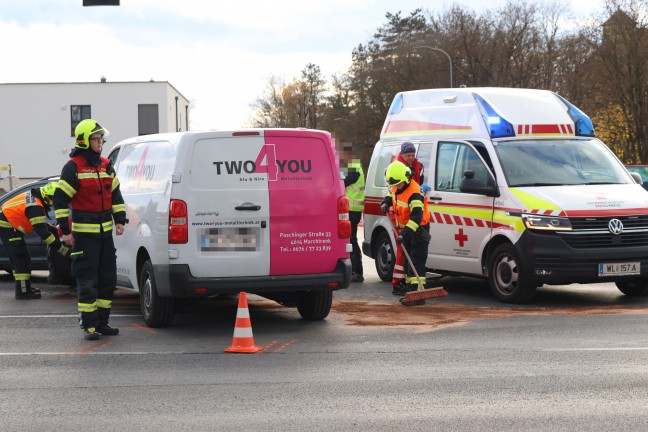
point(220, 54)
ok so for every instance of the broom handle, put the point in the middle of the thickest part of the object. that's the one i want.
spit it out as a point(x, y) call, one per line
point(409, 260)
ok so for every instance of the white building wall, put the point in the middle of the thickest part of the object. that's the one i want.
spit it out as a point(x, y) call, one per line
point(35, 120)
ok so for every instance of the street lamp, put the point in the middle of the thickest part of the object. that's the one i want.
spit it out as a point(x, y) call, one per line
point(440, 50)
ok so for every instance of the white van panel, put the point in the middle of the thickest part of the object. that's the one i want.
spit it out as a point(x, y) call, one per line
point(228, 229)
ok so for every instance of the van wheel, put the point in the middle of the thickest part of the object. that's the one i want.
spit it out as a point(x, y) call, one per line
point(315, 305)
point(384, 256)
point(633, 287)
point(157, 311)
point(507, 280)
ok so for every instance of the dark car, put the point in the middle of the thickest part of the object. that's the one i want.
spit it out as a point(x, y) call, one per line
point(41, 257)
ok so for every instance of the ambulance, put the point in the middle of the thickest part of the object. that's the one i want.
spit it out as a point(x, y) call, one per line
point(522, 192)
point(219, 212)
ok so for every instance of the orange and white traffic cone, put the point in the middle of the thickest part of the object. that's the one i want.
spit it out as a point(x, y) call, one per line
point(243, 341)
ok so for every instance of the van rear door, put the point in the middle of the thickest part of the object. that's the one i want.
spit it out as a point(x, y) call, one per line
point(228, 207)
point(304, 185)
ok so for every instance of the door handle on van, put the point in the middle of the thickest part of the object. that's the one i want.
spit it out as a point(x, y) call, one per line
point(436, 198)
point(248, 207)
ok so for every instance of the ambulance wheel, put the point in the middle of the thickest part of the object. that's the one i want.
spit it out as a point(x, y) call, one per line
point(633, 287)
point(384, 256)
point(508, 281)
point(315, 305)
point(157, 311)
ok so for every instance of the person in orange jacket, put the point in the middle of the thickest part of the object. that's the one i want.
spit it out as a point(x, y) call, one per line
point(407, 156)
point(413, 220)
point(23, 214)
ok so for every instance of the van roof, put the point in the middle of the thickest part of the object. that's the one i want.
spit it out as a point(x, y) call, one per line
point(483, 112)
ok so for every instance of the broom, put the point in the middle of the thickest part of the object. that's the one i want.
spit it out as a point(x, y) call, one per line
point(418, 297)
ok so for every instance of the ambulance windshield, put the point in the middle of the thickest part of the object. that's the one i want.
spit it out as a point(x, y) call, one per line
point(559, 162)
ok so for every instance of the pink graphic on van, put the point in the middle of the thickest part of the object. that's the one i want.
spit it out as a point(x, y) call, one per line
point(303, 204)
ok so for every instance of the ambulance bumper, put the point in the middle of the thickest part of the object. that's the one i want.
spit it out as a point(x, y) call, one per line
point(552, 261)
point(183, 284)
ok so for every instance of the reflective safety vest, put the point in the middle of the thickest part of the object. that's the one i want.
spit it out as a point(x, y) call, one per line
point(14, 211)
point(403, 207)
point(92, 202)
point(355, 191)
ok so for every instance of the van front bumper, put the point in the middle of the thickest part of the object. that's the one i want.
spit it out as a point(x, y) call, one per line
point(183, 285)
point(552, 261)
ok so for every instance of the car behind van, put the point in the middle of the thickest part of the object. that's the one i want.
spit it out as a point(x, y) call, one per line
point(261, 210)
point(523, 193)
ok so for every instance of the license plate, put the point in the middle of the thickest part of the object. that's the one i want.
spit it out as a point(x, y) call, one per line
point(619, 269)
point(230, 240)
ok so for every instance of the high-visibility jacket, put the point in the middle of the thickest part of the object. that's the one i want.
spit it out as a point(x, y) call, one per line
point(93, 193)
point(405, 202)
point(355, 191)
point(26, 213)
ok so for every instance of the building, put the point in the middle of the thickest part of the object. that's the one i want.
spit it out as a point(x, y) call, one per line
point(37, 120)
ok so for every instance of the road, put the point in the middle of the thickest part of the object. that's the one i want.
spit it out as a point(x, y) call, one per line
point(573, 360)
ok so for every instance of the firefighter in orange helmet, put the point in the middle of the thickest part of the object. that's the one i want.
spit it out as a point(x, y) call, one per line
point(23, 214)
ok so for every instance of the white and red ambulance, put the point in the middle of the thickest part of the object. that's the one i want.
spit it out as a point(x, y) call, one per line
point(219, 212)
point(523, 193)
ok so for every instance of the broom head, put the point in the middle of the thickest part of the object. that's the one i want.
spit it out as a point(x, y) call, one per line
point(419, 296)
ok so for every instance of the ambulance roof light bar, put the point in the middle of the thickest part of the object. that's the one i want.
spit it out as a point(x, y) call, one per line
point(497, 126)
point(582, 123)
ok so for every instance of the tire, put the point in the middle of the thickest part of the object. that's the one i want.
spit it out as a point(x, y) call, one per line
point(157, 311)
point(315, 305)
point(508, 281)
point(633, 287)
point(384, 257)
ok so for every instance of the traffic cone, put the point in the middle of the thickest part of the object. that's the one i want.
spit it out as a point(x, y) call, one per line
point(243, 341)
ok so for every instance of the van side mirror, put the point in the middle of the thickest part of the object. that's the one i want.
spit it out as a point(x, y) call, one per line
point(636, 177)
point(469, 184)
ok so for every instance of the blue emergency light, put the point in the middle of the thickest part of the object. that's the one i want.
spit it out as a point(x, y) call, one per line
point(497, 126)
point(582, 123)
point(397, 104)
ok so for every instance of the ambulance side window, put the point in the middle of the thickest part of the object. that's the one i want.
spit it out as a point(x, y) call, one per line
point(388, 154)
point(452, 160)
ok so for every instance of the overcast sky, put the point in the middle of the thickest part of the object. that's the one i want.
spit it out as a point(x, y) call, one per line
point(218, 54)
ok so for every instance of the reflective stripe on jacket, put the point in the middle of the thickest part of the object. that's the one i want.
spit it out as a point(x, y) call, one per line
point(355, 191)
point(403, 206)
point(14, 211)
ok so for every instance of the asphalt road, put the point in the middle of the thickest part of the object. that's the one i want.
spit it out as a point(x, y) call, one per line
point(573, 360)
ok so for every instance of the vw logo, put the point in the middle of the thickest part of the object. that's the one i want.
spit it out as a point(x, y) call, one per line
point(615, 226)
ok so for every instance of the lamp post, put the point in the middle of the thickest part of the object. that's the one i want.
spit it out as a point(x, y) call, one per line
point(440, 50)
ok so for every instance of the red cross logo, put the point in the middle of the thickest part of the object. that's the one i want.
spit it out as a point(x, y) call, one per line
point(461, 237)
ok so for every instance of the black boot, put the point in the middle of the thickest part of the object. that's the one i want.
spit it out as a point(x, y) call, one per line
point(90, 333)
point(106, 330)
point(103, 326)
point(32, 291)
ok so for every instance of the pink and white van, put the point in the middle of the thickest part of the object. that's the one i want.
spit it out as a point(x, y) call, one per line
point(219, 212)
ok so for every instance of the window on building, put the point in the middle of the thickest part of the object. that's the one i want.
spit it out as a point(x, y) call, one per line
point(148, 119)
point(78, 113)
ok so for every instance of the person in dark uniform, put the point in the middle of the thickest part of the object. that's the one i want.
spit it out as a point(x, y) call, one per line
point(89, 185)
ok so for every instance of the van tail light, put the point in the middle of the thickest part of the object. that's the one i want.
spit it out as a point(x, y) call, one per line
point(178, 224)
point(344, 224)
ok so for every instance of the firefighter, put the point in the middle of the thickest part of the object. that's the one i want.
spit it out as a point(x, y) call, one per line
point(354, 183)
point(88, 184)
point(412, 218)
point(407, 155)
point(22, 214)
